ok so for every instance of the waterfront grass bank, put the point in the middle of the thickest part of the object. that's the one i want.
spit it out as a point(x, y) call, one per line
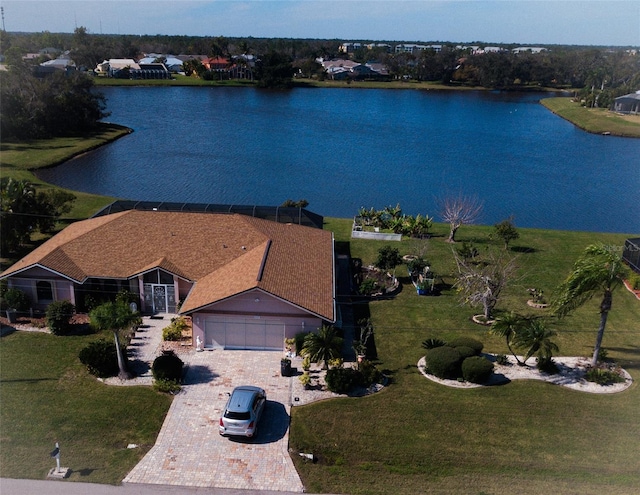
point(594, 120)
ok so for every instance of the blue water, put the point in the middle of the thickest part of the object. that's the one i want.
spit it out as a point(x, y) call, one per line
point(342, 149)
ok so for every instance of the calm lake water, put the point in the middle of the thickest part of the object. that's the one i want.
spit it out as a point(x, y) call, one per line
point(342, 149)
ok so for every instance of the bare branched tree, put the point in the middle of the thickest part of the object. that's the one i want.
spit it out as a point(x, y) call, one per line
point(459, 210)
point(480, 284)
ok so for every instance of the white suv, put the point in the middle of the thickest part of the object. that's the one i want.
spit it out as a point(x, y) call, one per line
point(242, 411)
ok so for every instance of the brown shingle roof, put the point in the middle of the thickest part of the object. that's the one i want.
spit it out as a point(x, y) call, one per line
point(225, 254)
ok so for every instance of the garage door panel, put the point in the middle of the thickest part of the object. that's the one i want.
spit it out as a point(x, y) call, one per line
point(254, 335)
point(235, 334)
point(244, 333)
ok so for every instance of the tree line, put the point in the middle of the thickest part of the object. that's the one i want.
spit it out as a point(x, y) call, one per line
point(599, 73)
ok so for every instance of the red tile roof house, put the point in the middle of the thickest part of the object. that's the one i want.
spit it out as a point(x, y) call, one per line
point(247, 283)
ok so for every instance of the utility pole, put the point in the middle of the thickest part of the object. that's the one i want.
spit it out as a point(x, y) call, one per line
point(2, 11)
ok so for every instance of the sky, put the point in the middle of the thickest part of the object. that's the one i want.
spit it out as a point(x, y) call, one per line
point(571, 22)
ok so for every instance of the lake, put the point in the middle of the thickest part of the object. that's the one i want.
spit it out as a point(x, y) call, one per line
point(345, 148)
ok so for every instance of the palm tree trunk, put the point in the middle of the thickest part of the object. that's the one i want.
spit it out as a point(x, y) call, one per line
point(596, 350)
point(605, 306)
point(123, 374)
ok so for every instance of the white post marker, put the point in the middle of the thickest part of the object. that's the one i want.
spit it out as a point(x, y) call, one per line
point(57, 472)
point(56, 453)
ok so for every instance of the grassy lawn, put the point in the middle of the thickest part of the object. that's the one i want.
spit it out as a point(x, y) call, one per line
point(46, 396)
point(420, 437)
point(596, 120)
point(21, 159)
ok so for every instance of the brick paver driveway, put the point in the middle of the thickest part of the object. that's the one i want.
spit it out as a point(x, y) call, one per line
point(190, 452)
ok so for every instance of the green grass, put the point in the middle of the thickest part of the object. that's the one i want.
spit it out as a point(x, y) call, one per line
point(46, 396)
point(420, 437)
point(596, 120)
point(21, 160)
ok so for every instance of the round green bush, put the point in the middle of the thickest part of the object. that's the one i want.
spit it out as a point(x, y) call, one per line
point(370, 373)
point(59, 315)
point(444, 362)
point(174, 330)
point(100, 358)
point(476, 345)
point(167, 366)
point(16, 299)
point(476, 369)
point(466, 351)
point(343, 380)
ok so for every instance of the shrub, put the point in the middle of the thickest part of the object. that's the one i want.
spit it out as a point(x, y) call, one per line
point(603, 376)
point(433, 343)
point(465, 351)
point(476, 369)
point(476, 345)
point(167, 386)
point(174, 330)
point(167, 366)
point(368, 286)
point(100, 358)
point(342, 380)
point(370, 374)
point(547, 365)
point(17, 299)
point(59, 315)
point(502, 359)
point(306, 363)
point(444, 362)
point(299, 341)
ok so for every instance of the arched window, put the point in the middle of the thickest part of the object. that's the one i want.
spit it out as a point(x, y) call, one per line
point(44, 291)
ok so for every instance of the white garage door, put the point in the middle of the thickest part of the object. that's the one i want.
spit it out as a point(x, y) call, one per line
point(244, 333)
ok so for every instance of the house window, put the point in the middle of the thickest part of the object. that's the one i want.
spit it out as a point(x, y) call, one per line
point(158, 277)
point(44, 291)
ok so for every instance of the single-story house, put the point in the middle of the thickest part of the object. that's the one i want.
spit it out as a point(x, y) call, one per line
point(247, 282)
point(628, 103)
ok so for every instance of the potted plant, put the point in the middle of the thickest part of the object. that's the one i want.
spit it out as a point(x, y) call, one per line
point(423, 287)
point(285, 366)
point(537, 298)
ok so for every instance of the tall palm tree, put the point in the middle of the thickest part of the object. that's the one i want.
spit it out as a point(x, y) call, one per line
point(536, 338)
point(599, 270)
point(508, 326)
point(323, 346)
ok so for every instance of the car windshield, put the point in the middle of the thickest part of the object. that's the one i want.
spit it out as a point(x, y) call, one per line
point(237, 415)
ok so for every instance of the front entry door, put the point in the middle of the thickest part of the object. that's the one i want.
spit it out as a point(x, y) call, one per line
point(159, 299)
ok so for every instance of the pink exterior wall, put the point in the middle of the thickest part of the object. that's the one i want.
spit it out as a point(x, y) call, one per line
point(260, 306)
point(62, 288)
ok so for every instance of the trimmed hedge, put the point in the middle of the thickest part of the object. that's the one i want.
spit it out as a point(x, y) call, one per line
point(174, 331)
point(476, 369)
point(465, 351)
point(100, 358)
point(343, 380)
point(444, 362)
point(476, 345)
point(167, 366)
point(59, 315)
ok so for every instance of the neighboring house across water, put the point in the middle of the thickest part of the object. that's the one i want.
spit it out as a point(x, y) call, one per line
point(247, 282)
point(113, 66)
point(628, 103)
point(342, 69)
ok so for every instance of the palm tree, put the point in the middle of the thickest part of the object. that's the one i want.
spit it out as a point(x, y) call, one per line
point(508, 326)
point(598, 271)
point(536, 338)
point(115, 316)
point(323, 346)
